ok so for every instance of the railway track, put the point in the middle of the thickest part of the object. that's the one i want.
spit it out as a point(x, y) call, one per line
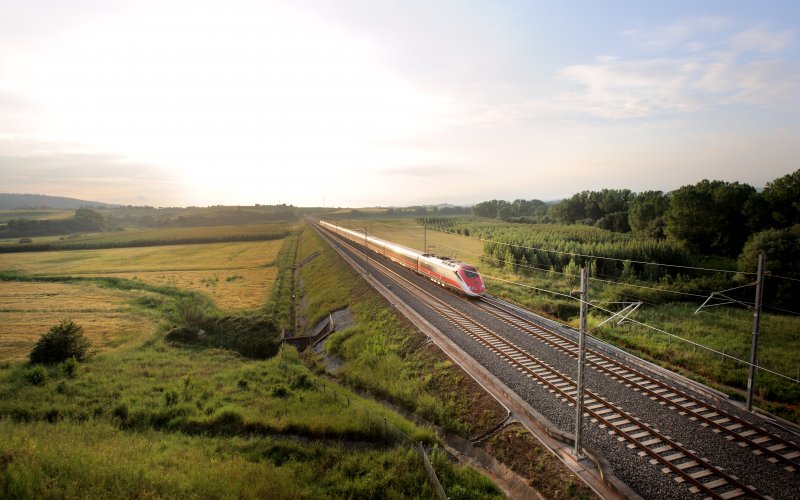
point(770, 446)
point(673, 458)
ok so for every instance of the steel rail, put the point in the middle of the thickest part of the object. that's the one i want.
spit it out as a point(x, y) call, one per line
point(747, 434)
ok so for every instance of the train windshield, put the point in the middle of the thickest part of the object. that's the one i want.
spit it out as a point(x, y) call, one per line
point(471, 273)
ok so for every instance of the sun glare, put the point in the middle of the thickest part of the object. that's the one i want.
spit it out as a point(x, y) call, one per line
point(259, 94)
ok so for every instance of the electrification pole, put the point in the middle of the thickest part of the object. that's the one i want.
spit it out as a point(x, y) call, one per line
point(425, 239)
point(581, 360)
point(751, 379)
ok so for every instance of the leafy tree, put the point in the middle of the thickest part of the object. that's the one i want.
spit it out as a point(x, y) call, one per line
point(486, 209)
point(709, 216)
point(571, 210)
point(758, 213)
point(590, 207)
point(646, 213)
point(89, 216)
point(64, 340)
point(519, 209)
point(783, 198)
point(782, 250)
point(610, 201)
point(615, 221)
point(504, 212)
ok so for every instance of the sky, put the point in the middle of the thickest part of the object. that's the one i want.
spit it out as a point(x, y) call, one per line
point(392, 103)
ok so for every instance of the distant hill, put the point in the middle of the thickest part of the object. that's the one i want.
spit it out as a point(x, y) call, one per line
point(29, 201)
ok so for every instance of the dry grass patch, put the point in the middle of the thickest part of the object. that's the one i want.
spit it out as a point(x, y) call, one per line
point(230, 289)
point(237, 275)
point(30, 309)
point(18, 296)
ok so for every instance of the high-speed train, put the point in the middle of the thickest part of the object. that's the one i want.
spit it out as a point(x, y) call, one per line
point(461, 276)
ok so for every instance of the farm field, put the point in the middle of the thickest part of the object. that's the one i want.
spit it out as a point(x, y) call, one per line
point(236, 275)
point(6, 215)
point(29, 309)
point(165, 235)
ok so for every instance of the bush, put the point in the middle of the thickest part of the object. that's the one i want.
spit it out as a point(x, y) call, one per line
point(36, 375)
point(279, 391)
point(70, 367)
point(64, 340)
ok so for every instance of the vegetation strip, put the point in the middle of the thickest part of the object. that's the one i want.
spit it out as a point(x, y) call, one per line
point(50, 247)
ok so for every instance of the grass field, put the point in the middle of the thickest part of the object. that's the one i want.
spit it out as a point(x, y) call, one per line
point(236, 275)
point(7, 215)
point(29, 309)
point(230, 289)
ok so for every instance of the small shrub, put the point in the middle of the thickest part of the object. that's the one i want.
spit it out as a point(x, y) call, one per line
point(170, 398)
point(51, 415)
point(192, 312)
point(183, 334)
point(64, 340)
point(280, 391)
point(242, 383)
point(227, 421)
point(301, 381)
point(25, 240)
point(70, 367)
point(121, 412)
point(36, 375)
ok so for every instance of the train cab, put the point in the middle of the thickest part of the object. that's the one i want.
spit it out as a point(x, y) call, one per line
point(471, 279)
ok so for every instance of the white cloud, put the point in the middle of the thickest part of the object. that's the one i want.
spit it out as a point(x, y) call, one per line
point(760, 39)
point(617, 88)
point(676, 34)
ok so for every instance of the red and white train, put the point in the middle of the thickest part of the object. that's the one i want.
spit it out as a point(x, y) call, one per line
point(460, 276)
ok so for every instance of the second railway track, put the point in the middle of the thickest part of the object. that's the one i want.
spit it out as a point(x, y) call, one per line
point(772, 447)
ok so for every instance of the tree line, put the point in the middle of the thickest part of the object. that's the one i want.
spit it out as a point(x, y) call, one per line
point(85, 220)
point(709, 217)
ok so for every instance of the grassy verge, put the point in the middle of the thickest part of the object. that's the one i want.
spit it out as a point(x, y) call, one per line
point(280, 305)
point(515, 447)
